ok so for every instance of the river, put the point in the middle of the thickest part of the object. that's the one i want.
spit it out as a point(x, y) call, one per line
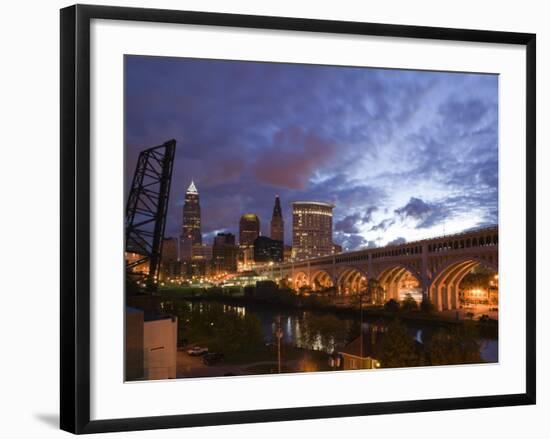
point(312, 330)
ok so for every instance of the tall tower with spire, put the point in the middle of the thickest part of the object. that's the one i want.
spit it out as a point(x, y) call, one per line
point(191, 225)
point(277, 223)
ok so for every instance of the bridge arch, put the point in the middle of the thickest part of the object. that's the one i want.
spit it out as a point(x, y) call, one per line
point(300, 280)
point(351, 280)
point(444, 287)
point(398, 277)
point(321, 279)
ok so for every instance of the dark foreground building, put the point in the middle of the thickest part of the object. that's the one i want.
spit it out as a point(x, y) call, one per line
point(364, 351)
point(268, 250)
point(277, 223)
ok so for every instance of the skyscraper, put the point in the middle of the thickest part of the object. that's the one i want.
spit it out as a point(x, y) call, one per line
point(191, 225)
point(249, 229)
point(277, 223)
point(224, 253)
point(311, 229)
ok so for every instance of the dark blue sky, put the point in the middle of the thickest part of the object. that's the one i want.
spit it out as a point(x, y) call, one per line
point(402, 154)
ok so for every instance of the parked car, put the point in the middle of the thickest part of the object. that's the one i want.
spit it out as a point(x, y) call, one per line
point(197, 351)
point(212, 358)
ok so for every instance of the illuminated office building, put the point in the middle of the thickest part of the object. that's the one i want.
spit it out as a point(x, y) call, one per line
point(311, 229)
point(191, 226)
point(249, 230)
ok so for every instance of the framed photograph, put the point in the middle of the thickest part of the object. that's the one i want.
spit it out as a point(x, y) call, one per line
point(268, 219)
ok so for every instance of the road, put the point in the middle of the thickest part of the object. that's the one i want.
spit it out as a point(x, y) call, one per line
point(193, 367)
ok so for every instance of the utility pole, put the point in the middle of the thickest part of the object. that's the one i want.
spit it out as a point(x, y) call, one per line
point(361, 327)
point(279, 335)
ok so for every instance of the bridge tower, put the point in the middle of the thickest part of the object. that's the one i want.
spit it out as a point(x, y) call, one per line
point(146, 210)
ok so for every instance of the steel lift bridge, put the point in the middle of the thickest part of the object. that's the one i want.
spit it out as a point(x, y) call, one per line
point(146, 213)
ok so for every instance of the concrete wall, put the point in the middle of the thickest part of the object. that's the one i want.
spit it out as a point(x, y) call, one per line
point(134, 344)
point(160, 348)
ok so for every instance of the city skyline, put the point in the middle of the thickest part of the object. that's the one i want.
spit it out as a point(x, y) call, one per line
point(305, 218)
point(403, 155)
point(383, 184)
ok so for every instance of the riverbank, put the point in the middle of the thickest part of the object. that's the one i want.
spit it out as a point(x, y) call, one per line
point(250, 332)
point(488, 327)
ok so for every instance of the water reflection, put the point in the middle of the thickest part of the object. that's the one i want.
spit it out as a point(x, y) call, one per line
point(322, 331)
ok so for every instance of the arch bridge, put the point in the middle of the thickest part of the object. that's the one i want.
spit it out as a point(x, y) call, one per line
point(434, 266)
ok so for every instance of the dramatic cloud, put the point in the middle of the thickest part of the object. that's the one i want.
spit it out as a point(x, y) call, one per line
point(383, 225)
point(424, 214)
point(348, 224)
point(401, 154)
point(297, 155)
point(397, 241)
point(367, 218)
point(352, 241)
point(415, 208)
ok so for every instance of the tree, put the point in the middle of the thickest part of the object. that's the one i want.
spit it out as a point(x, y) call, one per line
point(480, 277)
point(457, 346)
point(398, 347)
point(426, 306)
point(391, 306)
point(284, 283)
point(409, 304)
point(266, 289)
point(323, 329)
point(484, 319)
point(354, 331)
point(220, 329)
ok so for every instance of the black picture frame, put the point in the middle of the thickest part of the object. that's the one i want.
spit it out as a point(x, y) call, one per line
point(75, 217)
